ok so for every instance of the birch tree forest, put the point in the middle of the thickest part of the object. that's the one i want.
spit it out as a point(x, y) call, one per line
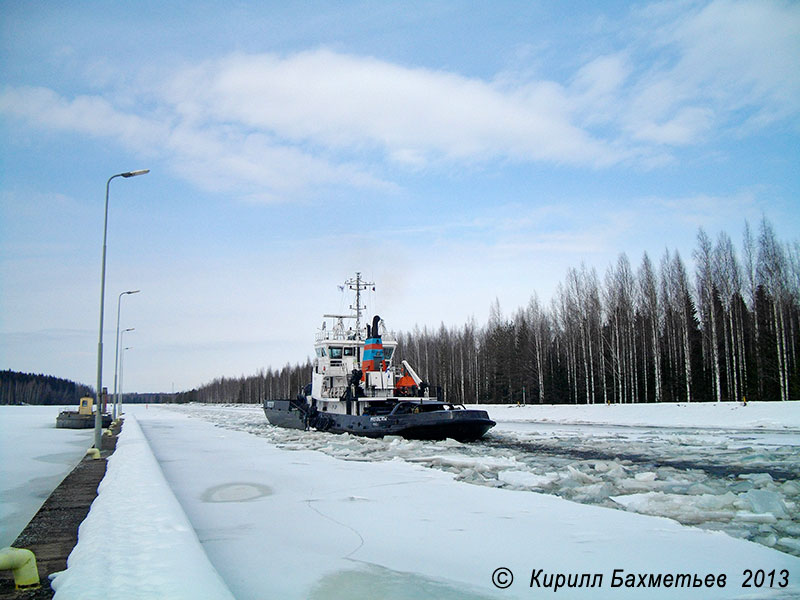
point(723, 326)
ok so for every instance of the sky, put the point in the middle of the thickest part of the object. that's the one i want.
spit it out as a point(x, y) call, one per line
point(454, 154)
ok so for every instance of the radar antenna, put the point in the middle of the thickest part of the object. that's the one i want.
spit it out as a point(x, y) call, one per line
point(358, 285)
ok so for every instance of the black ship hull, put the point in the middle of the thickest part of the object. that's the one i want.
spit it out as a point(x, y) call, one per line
point(409, 419)
point(71, 419)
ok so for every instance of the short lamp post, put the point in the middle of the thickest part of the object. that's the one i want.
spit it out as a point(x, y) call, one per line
point(121, 365)
point(117, 402)
point(116, 350)
point(98, 417)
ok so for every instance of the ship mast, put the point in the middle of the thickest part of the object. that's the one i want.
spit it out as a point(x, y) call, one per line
point(358, 285)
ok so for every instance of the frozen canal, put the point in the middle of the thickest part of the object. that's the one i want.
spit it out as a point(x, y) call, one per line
point(34, 458)
point(209, 502)
point(744, 481)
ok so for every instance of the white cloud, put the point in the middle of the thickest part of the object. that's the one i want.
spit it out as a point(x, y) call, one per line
point(726, 64)
point(744, 53)
point(270, 126)
point(685, 127)
point(276, 127)
point(598, 86)
point(217, 156)
point(355, 103)
point(92, 115)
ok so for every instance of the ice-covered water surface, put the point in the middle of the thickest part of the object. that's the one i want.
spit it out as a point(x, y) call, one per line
point(34, 457)
point(743, 482)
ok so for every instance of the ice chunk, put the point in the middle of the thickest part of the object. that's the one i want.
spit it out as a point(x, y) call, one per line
point(603, 467)
point(768, 540)
point(595, 492)
point(748, 517)
point(765, 501)
point(451, 443)
point(686, 509)
point(634, 485)
point(716, 502)
point(758, 479)
point(645, 476)
point(639, 502)
point(617, 471)
point(526, 479)
point(580, 476)
point(699, 489)
point(480, 464)
point(790, 544)
point(790, 488)
point(741, 486)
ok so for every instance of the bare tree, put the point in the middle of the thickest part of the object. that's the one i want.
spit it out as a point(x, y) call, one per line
point(651, 308)
point(728, 282)
point(704, 261)
point(771, 272)
point(540, 327)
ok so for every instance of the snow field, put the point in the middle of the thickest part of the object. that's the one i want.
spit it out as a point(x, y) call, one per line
point(730, 415)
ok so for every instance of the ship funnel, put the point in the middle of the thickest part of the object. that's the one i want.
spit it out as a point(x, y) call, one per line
point(375, 322)
point(373, 349)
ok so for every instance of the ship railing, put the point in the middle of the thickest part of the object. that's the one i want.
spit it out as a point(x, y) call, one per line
point(335, 335)
point(341, 335)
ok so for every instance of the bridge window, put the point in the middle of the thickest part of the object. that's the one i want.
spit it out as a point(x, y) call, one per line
point(335, 352)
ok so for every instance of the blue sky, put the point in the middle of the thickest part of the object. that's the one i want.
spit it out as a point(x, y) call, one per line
point(453, 153)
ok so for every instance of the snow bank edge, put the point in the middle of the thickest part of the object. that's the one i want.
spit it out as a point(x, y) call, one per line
point(136, 541)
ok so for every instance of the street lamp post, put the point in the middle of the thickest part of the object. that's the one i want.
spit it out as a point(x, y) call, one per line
point(116, 393)
point(121, 364)
point(98, 417)
point(116, 350)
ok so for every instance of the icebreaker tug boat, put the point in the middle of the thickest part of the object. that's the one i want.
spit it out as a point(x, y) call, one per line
point(356, 388)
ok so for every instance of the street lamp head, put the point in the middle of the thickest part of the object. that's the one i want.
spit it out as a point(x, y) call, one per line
point(129, 329)
point(135, 173)
point(132, 292)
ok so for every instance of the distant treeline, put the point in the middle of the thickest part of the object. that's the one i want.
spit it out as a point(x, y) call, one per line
point(267, 384)
point(27, 388)
point(728, 330)
point(151, 398)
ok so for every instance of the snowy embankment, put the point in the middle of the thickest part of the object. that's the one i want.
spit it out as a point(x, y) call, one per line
point(34, 457)
point(136, 541)
point(724, 415)
point(303, 524)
